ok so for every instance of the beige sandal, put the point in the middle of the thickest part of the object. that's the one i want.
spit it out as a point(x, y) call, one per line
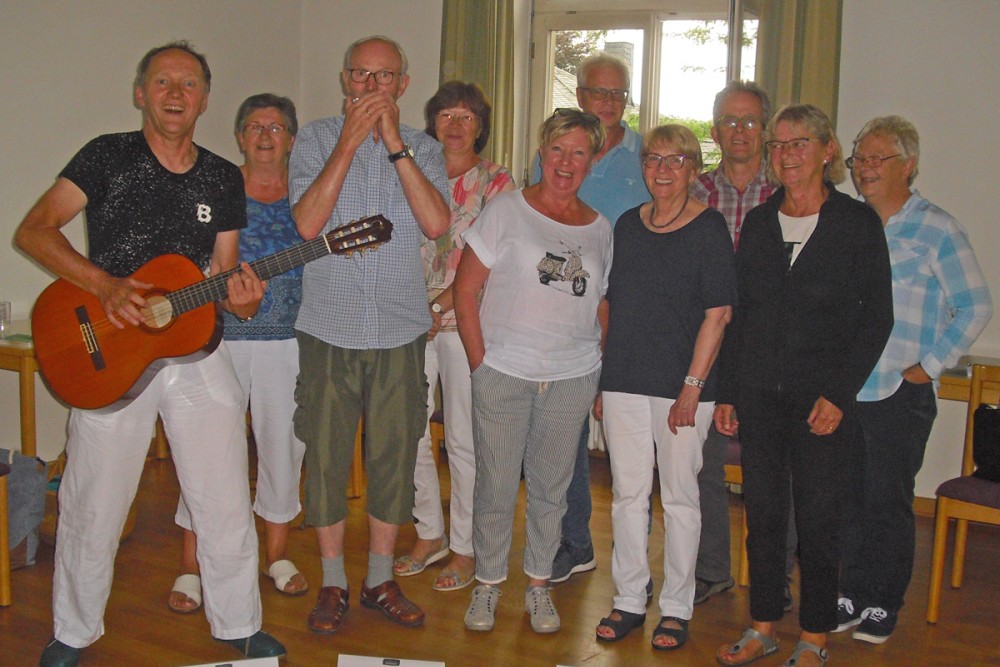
point(282, 571)
point(188, 585)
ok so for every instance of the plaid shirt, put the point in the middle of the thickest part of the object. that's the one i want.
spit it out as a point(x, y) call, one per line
point(714, 189)
point(940, 299)
point(376, 299)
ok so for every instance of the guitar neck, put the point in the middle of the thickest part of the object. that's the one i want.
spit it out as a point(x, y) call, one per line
point(214, 288)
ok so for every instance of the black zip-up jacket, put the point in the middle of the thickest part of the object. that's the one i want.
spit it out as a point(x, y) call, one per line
point(819, 327)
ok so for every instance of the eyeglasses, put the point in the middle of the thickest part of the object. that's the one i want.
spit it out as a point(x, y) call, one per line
point(382, 77)
point(791, 145)
point(584, 116)
point(748, 123)
point(616, 94)
point(259, 130)
point(873, 161)
point(464, 119)
point(654, 161)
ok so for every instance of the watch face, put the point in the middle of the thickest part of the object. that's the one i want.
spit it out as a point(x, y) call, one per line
point(436, 307)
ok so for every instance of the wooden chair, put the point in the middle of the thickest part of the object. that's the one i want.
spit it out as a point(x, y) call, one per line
point(734, 475)
point(964, 498)
point(5, 587)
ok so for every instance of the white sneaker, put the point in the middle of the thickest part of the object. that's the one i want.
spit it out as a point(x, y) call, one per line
point(538, 603)
point(483, 608)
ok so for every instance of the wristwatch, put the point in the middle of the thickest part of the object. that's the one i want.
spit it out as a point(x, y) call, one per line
point(436, 307)
point(692, 381)
point(406, 152)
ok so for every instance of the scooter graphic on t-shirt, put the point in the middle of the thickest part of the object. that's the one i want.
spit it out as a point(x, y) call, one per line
point(554, 267)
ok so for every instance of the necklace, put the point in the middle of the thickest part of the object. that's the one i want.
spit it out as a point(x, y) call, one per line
point(652, 213)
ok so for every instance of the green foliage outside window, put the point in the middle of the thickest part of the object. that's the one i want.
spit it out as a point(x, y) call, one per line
point(701, 128)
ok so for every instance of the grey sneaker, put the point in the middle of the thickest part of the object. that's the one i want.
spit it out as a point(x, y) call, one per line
point(570, 560)
point(847, 614)
point(706, 589)
point(538, 603)
point(483, 608)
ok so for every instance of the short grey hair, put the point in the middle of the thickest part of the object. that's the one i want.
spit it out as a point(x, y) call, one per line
point(602, 59)
point(818, 124)
point(268, 101)
point(377, 38)
point(742, 87)
point(899, 130)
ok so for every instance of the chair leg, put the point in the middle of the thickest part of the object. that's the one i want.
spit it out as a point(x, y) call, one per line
point(744, 571)
point(958, 562)
point(356, 486)
point(937, 560)
point(5, 586)
point(437, 441)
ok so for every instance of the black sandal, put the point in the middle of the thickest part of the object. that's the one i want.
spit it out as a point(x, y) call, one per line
point(680, 636)
point(621, 627)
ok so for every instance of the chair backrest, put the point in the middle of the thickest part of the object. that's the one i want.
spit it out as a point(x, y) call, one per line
point(985, 381)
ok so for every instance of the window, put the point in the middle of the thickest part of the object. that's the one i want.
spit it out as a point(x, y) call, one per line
point(679, 54)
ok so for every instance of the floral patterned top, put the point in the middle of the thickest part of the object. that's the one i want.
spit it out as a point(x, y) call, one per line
point(469, 194)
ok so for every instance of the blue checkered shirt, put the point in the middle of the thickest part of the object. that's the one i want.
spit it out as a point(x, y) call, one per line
point(376, 299)
point(940, 299)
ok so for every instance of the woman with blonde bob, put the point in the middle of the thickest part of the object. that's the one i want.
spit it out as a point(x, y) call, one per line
point(534, 347)
point(670, 295)
point(815, 311)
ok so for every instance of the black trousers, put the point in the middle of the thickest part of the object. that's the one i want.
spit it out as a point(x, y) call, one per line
point(878, 528)
point(780, 453)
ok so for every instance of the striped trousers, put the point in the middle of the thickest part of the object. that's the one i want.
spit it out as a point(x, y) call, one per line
point(536, 424)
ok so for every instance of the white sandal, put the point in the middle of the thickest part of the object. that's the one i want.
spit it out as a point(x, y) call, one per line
point(188, 585)
point(282, 571)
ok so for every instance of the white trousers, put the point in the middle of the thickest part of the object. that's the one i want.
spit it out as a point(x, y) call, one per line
point(267, 371)
point(445, 359)
point(201, 406)
point(637, 433)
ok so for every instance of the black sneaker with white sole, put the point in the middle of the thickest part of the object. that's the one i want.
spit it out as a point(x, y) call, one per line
point(876, 625)
point(847, 614)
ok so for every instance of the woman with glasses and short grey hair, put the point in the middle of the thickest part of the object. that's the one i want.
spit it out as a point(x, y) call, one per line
point(534, 347)
point(670, 295)
point(814, 312)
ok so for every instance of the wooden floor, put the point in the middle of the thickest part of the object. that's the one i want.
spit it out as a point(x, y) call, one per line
point(142, 631)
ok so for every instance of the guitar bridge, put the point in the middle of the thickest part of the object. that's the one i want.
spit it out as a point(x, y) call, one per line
point(90, 339)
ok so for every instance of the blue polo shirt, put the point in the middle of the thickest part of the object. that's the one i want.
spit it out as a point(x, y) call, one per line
point(615, 183)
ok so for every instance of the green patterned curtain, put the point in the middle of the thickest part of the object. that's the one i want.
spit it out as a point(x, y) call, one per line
point(477, 45)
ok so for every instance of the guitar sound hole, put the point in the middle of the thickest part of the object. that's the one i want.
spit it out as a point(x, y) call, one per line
point(158, 313)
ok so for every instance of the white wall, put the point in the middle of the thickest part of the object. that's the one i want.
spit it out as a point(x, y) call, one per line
point(935, 63)
point(67, 70)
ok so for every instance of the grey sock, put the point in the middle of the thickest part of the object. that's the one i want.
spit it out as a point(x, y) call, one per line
point(333, 572)
point(379, 570)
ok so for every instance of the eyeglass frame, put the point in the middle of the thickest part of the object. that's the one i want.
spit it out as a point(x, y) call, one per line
point(601, 94)
point(873, 161)
point(775, 144)
point(369, 74)
point(661, 160)
point(732, 122)
point(258, 129)
point(449, 118)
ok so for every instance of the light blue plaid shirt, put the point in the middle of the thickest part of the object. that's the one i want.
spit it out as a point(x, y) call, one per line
point(940, 299)
point(376, 299)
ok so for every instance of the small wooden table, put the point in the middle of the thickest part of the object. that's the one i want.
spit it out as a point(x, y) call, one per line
point(954, 382)
point(19, 356)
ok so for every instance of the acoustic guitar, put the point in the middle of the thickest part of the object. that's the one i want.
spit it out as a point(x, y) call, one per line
point(90, 363)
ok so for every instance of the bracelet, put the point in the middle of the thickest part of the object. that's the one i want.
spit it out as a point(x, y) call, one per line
point(692, 381)
point(243, 320)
